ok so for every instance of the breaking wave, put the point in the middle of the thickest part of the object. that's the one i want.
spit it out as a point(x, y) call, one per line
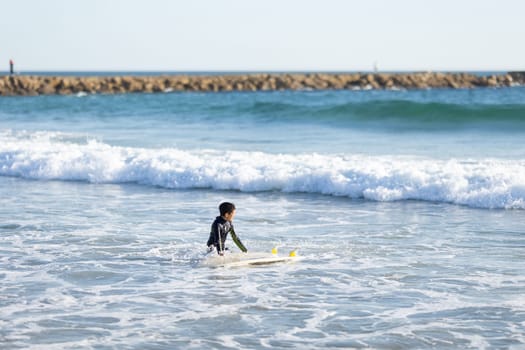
point(485, 183)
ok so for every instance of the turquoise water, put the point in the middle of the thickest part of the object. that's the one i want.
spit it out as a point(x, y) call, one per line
point(406, 208)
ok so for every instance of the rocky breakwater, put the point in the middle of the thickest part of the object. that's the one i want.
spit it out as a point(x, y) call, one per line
point(47, 85)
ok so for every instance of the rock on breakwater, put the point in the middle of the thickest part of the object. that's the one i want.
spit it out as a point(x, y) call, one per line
point(46, 85)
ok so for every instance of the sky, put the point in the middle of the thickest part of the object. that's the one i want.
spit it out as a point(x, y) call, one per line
point(269, 35)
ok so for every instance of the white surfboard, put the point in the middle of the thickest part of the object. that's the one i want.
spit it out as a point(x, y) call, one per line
point(247, 259)
point(260, 261)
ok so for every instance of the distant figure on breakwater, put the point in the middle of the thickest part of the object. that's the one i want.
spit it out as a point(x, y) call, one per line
point(11, 67)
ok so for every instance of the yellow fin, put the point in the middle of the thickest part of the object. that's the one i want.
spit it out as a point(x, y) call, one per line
point(293, 253)
point(274, 250)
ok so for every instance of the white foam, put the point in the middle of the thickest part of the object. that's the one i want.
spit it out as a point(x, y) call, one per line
point(482, 183)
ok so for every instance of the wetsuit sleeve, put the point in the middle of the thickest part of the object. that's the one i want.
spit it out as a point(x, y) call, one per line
point(220, 241)
point(237, 241)
point(213, 235)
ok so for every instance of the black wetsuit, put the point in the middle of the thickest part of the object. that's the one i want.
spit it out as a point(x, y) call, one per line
point(220, 228)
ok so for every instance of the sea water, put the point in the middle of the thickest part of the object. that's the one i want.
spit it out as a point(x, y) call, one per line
point(406, 207)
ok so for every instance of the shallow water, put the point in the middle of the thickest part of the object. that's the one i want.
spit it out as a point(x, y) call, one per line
point(117, 266)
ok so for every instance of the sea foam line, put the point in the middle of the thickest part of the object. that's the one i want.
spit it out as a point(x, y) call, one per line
point(487, 183)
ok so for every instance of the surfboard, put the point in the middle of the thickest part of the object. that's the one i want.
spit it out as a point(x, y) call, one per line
point(249, 259)
point(260, 261)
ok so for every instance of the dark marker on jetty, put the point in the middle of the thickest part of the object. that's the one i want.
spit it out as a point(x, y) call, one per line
point(11, 67)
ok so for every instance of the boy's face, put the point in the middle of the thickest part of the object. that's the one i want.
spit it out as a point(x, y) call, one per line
point(229, 216)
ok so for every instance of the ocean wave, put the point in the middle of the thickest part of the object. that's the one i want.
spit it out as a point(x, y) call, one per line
point(398, 114)
point(487, 183)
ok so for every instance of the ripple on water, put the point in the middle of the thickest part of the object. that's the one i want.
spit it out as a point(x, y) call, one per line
point(94, 277)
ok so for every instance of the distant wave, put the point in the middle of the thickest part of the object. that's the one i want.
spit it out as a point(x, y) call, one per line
point(489, 183)
point(384, 110)
point(399, 113)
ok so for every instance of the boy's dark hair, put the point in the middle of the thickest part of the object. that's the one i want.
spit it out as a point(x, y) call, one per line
point(226, 207)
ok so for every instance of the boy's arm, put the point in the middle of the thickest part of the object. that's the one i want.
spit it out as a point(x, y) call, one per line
point(238, 241)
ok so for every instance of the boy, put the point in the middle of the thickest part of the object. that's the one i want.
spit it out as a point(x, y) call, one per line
point(221, 227)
